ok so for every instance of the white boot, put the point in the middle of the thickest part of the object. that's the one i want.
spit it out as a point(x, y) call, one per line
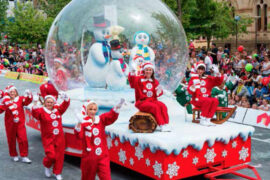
point(47, 172)
point(58, 177)
point(204, 121)
point(26, 160)
point(165, 128)
point(209, 122)
point(16, 159)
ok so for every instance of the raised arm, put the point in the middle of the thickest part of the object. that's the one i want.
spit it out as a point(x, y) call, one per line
point(109, 117)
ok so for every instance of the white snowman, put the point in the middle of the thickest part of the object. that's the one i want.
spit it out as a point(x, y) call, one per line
point(141, 49)
point(96, 68)
point(118, 69)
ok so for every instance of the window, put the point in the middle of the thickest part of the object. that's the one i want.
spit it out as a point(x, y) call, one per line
point(265, 17)
point(259, 24)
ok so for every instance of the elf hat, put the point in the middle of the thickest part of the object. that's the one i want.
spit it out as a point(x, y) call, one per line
point(148, 65)
point(50, 96)
point(59, 60)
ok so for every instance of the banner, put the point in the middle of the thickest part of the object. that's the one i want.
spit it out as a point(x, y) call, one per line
point(12, 75)
point(239, 115)
point(32, 78)
point(257, 118)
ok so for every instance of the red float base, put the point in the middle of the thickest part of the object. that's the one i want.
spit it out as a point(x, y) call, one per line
point(190, 162)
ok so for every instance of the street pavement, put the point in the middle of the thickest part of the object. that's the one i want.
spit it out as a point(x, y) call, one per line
point(19, 171)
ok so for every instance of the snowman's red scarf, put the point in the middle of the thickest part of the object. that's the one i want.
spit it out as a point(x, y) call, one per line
point(122, 63)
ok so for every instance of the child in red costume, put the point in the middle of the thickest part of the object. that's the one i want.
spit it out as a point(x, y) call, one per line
point(48, 89)
point(200, 88)
point(95, 158)
point(147, 90)
point(61, 74)
point(52, 135)
point(13, 105)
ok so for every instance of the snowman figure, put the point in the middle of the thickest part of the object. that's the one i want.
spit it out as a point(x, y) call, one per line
point(96, 67)
point(141, 49)
point(118, 69)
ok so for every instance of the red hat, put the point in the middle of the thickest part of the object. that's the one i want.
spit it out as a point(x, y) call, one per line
point(59, 60)
point(50, 96)
point(148, 65)
point(200, 64)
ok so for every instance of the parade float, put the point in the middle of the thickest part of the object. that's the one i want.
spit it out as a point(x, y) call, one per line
point(80, 61)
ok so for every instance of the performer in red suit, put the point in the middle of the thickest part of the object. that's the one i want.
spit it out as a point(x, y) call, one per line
point(48, 88)
point(52, 135)
point(91, 130)
point(200, 87)
point(13, 104)
point(147, 90)
point(61, 74)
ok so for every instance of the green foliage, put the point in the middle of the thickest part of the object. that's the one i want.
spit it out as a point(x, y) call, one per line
point(3, 9)
point(30, 25)
point(52, 7)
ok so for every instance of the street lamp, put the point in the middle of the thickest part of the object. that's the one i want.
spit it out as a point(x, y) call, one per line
point(256, 30)
point(236, 18)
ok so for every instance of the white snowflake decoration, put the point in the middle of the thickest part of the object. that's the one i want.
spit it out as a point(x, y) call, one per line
point(131, 161)
point(157, 169)
point(116, 143)
point(224, 153)
point(210, 155)
point(172, 170)
point(185, 154)
point(243, 154)
point(147, 162)
point(109, 142)
point(195, 161)
point(139, 152)
point(234, 144)
point(122, 156)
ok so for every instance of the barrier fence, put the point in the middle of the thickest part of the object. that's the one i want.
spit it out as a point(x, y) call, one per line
point(23, 76)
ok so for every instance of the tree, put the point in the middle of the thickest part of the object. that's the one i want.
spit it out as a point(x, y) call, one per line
point(30, 25)
point(52, 7)
point(3, 14)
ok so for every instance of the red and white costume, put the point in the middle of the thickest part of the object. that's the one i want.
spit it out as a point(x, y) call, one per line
point(146, 94)
point(15, 122)
point(95, 158)
point(48, 89)
point(52, 134)
point(61, 75)
point(200, 89)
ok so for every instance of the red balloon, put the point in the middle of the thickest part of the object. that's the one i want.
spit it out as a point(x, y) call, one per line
point(5, 36)
point(265, 81)
point(241, 48)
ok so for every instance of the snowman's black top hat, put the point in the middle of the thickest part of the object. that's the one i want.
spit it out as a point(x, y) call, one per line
point(115, 44)
point(100, 21)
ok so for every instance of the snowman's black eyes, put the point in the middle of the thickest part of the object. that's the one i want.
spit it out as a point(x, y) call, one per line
point(108, 32)
point(140, 36)
point(145, 37)
point(103, 32)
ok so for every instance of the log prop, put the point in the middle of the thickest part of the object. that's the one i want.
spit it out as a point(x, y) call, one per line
point(142, 122)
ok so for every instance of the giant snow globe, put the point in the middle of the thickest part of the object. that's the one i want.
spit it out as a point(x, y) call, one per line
point(92, 45)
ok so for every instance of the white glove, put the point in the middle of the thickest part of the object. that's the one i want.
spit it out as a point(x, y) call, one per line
point(35, 98)
point(119, 105)
point(215, 70)
point(63, 96)
point(159, 90)
point(27, 92)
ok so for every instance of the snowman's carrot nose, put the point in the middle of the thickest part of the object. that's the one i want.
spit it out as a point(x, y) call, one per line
point(107, 36)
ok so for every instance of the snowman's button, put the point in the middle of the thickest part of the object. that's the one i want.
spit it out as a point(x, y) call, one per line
point(98, 151)
point(95, 131)
point(97, 141)
point(149, 94)
point(149, 86)
point(56, 131)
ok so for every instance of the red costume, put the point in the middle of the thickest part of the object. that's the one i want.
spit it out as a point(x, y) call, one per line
point(61, 78)
point(201, 93)
point(146, 97)
point(15, 123)
point(48, 89)
point(95, 157)
point(52, 134)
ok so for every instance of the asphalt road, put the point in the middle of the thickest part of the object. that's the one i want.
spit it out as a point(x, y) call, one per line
point(71, 171)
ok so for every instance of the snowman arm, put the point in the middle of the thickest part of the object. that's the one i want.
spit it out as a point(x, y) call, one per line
point(97, 53)
point(118, 69)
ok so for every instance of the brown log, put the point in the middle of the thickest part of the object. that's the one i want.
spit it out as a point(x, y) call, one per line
point(142, 122)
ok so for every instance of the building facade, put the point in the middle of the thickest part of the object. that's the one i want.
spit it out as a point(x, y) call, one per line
point(258, 32)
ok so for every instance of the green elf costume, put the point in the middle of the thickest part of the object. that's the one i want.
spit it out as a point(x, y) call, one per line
point(183, 97)
point(222, 96)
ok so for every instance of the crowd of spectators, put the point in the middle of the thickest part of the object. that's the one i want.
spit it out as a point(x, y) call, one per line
point(246, 87)
point(19, 59)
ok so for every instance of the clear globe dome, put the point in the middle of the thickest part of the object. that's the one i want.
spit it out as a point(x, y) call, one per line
point(96, 43)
